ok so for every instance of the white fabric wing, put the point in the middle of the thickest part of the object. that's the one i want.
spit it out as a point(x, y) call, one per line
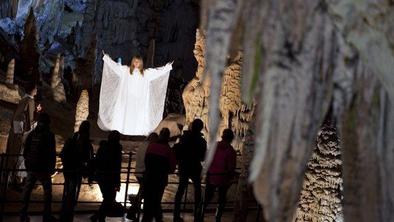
point(158, 83)
point(110, 88)
point(133, 104)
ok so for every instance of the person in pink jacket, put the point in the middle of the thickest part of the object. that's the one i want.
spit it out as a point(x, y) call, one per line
point(221, 173)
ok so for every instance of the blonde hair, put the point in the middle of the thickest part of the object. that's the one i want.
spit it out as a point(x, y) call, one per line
point(141, 68)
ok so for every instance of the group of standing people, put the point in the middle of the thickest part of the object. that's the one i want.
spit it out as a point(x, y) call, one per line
point(31, 135)
point(78, 161)
point(155, 162)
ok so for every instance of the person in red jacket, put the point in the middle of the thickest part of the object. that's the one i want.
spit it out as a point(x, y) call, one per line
point(221, 173)
point(159, 162)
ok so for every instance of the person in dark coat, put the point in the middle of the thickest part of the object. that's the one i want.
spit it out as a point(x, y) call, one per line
point(22, 123)
point(190, 152)
point(76, 156)
point(108, 163)
point(159, 162)
point(40, 160)
point(221, 173)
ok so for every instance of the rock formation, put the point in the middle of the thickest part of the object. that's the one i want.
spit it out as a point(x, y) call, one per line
point(8, 94)
point(196, 91)
point(28, 67)
point(234, 114)
point(82, 110)
point(303, 57)
point(321, 194)
point(8, 91)
point(174, 122)
point(8, 8)
point(59, 94)
point(10, 72)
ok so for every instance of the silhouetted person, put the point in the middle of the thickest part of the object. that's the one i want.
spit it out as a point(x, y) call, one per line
point(108, 163)
point(139, 174)
point(190, 152)
point(159, 162)
point(22, 122)
point(40, 160)
point(221, 173)
point(76, 156)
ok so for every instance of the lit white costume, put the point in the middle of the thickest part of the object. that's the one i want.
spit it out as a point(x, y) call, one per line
point(132, 104)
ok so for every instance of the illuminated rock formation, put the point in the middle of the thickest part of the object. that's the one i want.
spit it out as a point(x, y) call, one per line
point(234, 114)
point(59, 94)
point(10, 72)
point(82, 110)
point(8, 91)
point(321, 194)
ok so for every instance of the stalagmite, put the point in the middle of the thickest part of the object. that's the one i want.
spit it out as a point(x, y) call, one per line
point(82, 110)
point(196, 92)
point(59, 94)
point(9, 91)
point(10, 72)
point(321, 194)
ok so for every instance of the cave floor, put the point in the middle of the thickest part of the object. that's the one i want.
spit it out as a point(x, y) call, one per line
point(227, 217)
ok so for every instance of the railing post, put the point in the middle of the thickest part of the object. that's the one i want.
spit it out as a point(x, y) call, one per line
point(127, 180)
point(2, 183)
point(4, 188)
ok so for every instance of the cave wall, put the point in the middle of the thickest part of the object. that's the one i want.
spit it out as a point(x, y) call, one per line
point(8, 8)
point(159, 31)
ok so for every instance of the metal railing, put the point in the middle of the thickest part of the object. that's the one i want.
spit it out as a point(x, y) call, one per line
point(127, 180)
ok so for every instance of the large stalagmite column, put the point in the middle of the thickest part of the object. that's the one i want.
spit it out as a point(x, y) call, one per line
point(10, 72)
point(56, 84)
point(321, 194)
point(82, 110)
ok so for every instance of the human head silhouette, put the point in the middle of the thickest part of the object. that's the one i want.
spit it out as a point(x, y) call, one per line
point(164, 135)
point(197, 125)
point(153, 137)
point(228, 135)
point(84, 128)
point(114, 137)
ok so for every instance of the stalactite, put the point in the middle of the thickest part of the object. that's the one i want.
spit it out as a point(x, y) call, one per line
point(291, 56)
point(222, 17)
point(82, 110)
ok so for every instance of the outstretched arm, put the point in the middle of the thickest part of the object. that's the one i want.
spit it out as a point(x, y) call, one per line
point(154, 73)
point(110, 66)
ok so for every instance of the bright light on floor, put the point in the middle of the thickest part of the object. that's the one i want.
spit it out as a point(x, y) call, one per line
point(133, 189)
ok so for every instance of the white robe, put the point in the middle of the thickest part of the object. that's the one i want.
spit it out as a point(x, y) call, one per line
point(132, 104)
